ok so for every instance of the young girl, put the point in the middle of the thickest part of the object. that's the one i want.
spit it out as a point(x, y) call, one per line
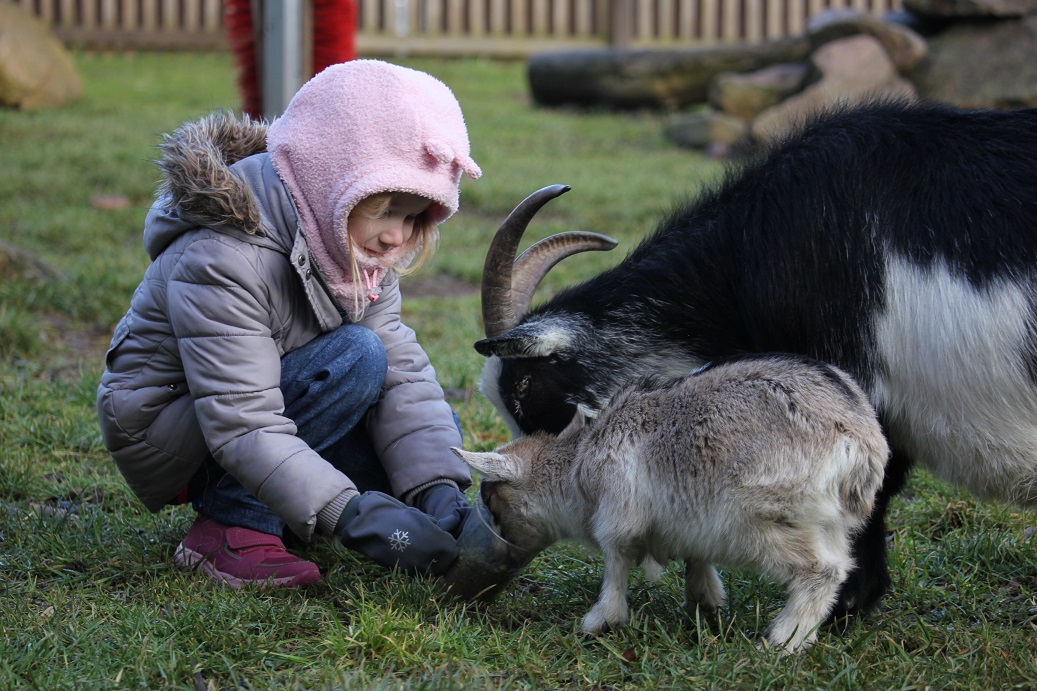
point(262, 372)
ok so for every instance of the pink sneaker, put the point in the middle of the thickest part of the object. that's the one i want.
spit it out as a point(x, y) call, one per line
point(239, 556)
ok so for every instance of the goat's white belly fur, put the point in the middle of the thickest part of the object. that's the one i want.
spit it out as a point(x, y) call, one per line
point(952, 381)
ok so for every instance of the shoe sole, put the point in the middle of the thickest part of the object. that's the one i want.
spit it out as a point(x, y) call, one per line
point(189, 560)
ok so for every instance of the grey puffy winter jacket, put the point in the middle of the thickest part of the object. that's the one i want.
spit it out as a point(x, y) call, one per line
point(194, 365)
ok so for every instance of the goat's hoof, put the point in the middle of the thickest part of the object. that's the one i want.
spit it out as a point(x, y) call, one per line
point(596, 622)
point(703, 609)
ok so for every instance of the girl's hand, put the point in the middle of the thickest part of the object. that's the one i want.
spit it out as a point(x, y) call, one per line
point(395, 535)
point(446, 504)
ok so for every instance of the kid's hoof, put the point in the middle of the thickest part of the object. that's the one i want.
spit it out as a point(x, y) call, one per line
point(486, 563)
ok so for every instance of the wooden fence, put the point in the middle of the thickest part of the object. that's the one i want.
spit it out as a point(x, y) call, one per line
point(489, 27)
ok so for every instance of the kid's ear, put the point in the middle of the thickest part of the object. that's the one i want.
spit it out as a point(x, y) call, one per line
point(492, 466)
point(583, 417)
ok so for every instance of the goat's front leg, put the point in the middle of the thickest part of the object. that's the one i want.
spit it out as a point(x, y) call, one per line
point(611, 608)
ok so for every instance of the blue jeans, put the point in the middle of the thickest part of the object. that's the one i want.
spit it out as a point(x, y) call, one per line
point(328, 384)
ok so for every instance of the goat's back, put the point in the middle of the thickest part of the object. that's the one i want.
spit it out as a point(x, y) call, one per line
point(759, 430)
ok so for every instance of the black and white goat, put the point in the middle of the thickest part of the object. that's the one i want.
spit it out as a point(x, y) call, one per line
point(897, 242)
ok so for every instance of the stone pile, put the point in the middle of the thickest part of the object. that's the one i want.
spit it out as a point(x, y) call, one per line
point(967, 53)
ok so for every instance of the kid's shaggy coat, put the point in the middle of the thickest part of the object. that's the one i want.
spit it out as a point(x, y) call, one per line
point(231, 282)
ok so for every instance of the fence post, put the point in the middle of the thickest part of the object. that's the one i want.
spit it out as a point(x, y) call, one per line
point(621, 23)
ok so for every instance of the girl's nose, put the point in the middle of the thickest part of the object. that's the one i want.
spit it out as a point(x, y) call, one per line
point(392, 237)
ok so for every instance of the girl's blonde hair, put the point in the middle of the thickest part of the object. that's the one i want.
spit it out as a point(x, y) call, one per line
point(425, 235)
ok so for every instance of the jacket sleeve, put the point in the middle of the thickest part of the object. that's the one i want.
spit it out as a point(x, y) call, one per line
point(412, 426)
point(221, 315)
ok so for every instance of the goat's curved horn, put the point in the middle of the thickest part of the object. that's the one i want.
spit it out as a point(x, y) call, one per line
point(533, 264)
point(498, 307)
point(507, 283)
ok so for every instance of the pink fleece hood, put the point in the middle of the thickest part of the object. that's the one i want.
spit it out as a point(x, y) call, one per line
point(360, 128)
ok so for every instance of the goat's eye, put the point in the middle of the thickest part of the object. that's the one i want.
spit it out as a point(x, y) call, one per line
point(525, 385)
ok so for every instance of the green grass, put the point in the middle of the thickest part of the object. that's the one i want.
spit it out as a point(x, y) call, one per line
point(88, 596)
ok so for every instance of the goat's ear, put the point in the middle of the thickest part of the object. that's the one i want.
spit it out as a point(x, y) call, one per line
point(505, 346)
point(540, 338)
point(492, 466)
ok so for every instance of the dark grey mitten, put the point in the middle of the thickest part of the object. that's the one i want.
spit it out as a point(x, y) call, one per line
point(395, 535)
point(446, 504)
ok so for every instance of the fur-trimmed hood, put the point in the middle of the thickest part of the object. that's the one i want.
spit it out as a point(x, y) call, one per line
point(201, 184)
point(196, 160)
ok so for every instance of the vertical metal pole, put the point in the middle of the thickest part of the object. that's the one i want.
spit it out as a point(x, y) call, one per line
point(401, 19)
point(282, 54)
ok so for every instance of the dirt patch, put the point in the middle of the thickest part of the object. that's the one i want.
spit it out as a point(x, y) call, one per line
point(437, 285)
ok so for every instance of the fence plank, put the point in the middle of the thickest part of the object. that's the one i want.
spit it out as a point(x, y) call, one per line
point(584, 19)
point(108, 15)
point(643, 21)
point(498, 17)
point(796, 17)
point(435, 17)
point(455, 17)
point(212, 16)
point(685, 23)
point(730, 32)
point(540, 17)
point(130, 16)
point(753, 20)
point(149, 15)
point(475, 21)
point(710, 31)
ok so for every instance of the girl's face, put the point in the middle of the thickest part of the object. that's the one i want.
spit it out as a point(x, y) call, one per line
point(391, 229)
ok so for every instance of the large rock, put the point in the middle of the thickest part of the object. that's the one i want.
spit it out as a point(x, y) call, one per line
point(853, 70)
point(905, 47)
point(35, 69)
point(746, 95)
point(971, 8)
point(990, 64)
point(717, 133)
point(621, 78)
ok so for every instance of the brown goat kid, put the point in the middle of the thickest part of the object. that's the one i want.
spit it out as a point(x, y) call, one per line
point(764, 462)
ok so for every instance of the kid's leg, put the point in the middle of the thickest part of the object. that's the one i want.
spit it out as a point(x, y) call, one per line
point(328, 385)
point(328, 388)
